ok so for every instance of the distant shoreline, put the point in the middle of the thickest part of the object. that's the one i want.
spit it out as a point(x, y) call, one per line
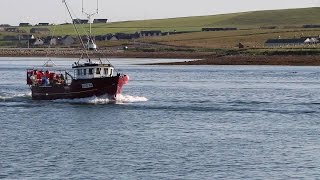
point(76, 53)
point(200, 58)
point(269, 60)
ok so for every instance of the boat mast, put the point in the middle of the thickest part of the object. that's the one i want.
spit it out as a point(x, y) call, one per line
point(75, 27)
point(89, 16)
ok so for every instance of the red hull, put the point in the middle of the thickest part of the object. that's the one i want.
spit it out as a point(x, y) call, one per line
point(81, 88)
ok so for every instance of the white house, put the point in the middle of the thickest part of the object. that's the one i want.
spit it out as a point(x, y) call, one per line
point(38, 42)
point(311, 41)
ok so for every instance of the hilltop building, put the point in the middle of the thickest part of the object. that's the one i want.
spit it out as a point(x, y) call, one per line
point(80, 21)
point(24, 24)
point(43, 24)
point(100, 20)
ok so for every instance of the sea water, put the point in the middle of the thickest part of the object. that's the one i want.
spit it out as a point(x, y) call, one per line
point(170, 122)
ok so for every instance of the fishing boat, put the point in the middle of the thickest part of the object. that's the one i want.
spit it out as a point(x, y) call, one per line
point(88, 78)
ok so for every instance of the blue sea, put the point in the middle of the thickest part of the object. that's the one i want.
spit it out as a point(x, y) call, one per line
point(170, 122)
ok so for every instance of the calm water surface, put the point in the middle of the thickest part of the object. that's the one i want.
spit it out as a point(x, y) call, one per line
point(171, 122)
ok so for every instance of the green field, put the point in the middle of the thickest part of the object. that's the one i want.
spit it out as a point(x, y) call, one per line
point(252, 38)
point(245, 20)
point(288, 24)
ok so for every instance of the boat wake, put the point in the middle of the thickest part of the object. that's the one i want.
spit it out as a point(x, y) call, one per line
point(14, 97)
point(120, 99)
point(130, 99)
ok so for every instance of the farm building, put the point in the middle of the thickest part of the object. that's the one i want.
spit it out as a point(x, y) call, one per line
point(80, 21)
point(24, 24)
point(219, 29)
point(100, 20)
point(53, 40)
point(176, 32)
point(11, 29)
point(26, 37)
point(43, 24)
point(311, 26)
point(284, 42)
point(10, 38)
point(127, 36)
point(109, 37)
point(150, 33)
point(113, 38)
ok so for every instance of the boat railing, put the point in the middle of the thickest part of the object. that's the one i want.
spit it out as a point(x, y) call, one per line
point(69, 78)
point(46, 78)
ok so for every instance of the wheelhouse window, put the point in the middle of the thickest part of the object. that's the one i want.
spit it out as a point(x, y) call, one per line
point(85, 72)
point(98, 71)
point(79, 72)
point(106, 71)
point(90, 71)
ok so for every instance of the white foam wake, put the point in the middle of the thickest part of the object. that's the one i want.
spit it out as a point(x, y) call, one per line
point(7, 96)
point(130, 99)
point(120, 99)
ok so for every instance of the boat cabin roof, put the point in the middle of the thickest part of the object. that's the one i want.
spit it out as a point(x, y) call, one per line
point(91, 71)
point(77, 65)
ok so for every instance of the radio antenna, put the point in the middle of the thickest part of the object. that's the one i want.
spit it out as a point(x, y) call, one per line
point(91, 44)
point(90, 15)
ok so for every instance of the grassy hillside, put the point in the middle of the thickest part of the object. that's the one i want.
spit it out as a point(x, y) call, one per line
point(280, 18)
point(252, 38)
point(286, 17)
point(249, 32)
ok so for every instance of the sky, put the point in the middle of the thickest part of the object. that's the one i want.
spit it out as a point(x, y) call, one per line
point(53, 11)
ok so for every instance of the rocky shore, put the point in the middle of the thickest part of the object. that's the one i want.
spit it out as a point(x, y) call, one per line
point(63, 52)
point(200, 58)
